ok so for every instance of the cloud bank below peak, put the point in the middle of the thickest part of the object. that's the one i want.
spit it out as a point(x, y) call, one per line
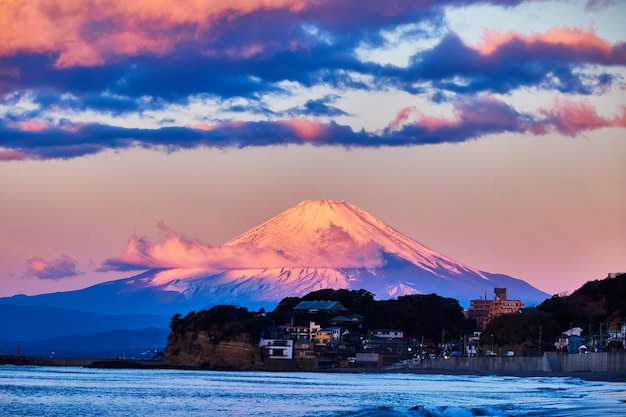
point(334, 249)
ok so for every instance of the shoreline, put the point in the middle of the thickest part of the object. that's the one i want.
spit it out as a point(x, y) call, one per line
point(102, 363)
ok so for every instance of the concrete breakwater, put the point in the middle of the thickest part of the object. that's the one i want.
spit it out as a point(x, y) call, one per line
point(549, 362)
point(43, 361)
point(86, 362)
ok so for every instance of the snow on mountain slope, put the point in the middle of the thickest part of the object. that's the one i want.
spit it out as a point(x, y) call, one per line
point(338, 234)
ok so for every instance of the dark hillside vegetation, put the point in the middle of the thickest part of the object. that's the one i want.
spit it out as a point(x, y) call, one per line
point(417, 316)
point(597, 303)
point(222, 323)
point(431, 317)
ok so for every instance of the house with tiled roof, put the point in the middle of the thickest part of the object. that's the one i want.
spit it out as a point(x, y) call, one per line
point(334, 307)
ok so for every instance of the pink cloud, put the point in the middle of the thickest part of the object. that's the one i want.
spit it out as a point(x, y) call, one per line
point(573, 38)
point(484, 110)
point(13, 156)
point(403, 117)
point(488, 114)
point(173, 251)
point(570, 117)
point(230, 125)
point(55, 269)
point(202, 126)
point(411, 115)
point(334, 248)
point(41, 126)
point(433, 124)
point(30, 125)
point(85, 33)
point(304, 128)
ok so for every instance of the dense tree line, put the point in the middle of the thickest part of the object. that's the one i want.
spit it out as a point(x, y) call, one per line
point(430, 317)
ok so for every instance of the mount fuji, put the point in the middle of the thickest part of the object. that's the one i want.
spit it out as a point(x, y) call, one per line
point(311, 246)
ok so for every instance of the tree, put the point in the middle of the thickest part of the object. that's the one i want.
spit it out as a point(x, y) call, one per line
point(222, 322)
point(174, 321)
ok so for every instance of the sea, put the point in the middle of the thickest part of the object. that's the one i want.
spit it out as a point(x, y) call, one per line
point(67, 391)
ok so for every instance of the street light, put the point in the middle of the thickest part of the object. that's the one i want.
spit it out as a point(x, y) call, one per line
point(492, 344)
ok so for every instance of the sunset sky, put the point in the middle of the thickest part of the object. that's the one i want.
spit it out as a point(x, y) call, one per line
point(493, 132)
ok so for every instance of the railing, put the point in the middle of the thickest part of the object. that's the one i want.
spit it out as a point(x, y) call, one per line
point(279, 343)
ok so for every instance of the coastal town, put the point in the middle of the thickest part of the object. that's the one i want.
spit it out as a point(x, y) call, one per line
point(343, 341)
point(348, 330)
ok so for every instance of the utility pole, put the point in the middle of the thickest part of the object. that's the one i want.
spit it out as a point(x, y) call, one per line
point(464, 346)
point(443, 350)
point(540, 347)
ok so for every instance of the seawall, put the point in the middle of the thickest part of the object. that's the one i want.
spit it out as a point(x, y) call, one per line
point(601, 366)
point(549, 362)
point(594, 362)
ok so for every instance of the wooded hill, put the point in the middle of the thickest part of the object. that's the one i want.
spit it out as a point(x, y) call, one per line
point(416, 315)
point(597, 303)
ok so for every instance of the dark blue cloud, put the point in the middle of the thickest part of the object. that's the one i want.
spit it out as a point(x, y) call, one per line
point(217, 63)
point(474, 117)
point(514, 65)
point(143, 83)
point(478, 117)
point(116, 105)
point(317, 108)
point(253, 55)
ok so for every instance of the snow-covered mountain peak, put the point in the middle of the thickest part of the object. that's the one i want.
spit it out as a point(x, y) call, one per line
point(306, 218)
point(326, 233)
